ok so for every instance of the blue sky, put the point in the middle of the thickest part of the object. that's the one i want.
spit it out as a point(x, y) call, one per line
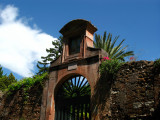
point(138, 21)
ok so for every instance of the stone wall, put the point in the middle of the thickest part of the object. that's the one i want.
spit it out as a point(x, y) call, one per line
point(136, 92)
point(18, 106)
point(133, 92)
point(134, 95)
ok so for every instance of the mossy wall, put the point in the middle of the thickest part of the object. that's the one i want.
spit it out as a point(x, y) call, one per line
point(18, 106)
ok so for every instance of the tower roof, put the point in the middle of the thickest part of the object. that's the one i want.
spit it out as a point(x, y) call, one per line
point(75, 24)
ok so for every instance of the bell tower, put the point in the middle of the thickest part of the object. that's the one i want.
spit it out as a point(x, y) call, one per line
point(77, 35)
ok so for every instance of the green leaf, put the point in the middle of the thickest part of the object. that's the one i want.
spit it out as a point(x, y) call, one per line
point(114, 52)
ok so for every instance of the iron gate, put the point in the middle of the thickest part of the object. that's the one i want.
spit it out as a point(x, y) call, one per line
point(73, 100)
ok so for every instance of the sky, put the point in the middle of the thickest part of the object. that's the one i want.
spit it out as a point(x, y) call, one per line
point(28, 27)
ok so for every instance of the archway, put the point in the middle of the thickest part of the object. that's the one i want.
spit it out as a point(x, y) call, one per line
point(72, 100)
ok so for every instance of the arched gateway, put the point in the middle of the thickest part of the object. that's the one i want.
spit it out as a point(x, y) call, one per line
point(72, 100)
point(75, 72)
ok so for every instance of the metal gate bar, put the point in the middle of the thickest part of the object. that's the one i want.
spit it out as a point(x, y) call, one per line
point(72, 101)
point(73, 109)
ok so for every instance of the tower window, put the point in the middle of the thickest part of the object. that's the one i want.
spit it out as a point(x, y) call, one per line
point(74, 45)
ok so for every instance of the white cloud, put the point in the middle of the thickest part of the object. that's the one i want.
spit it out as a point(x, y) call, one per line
point(20, 44)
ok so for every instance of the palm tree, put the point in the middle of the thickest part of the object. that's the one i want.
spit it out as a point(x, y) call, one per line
point(114, 52)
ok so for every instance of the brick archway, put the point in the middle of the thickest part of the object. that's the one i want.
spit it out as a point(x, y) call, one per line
point(72, 99)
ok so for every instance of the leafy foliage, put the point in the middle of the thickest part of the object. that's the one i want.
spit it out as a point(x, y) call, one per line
point(132, 58)
point(1, 71)
point(110, 67)
point(53, 53)
point(2, 83)
point(157, 64)
point(5, 80)
point(114, 52)
point(42, 65)
point(11, 79)
point(26, 83)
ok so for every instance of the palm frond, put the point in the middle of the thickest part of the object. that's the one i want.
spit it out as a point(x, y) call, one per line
point(104, 39)
point(113, 43)
point(114, 52)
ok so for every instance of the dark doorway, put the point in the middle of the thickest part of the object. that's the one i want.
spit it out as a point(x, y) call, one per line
point(72, 101)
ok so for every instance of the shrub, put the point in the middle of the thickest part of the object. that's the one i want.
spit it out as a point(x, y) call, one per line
point(110, 67)
point(157, 64)
point(132, 58)
point(26, 83)
point(5, 80)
